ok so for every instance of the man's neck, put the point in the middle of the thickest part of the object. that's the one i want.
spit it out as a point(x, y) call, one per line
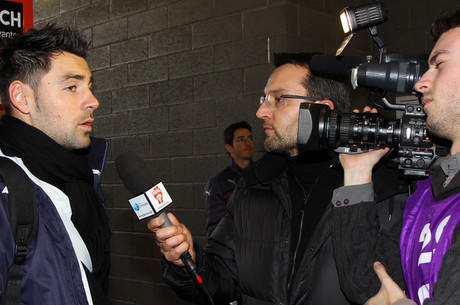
point(242, 163)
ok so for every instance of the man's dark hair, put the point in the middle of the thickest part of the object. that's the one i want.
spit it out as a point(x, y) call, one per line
point(229, 132)
point(444, 24)
point(28, 57)
point(317, 85)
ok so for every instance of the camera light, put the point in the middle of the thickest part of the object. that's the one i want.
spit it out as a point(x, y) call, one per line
point(361, 17)
point(344, 21)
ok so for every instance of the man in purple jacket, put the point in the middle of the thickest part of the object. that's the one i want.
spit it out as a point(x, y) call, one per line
point(430, 238)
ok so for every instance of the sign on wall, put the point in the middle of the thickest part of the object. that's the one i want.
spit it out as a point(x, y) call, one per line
point(16, 17)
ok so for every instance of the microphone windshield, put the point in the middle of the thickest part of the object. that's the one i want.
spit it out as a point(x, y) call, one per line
point(133, 172)
point(334, 65)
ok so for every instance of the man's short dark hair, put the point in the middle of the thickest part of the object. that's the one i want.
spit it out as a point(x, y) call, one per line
point(28, 57)
point(444, 24)
point(229, 132)
point(329, 87)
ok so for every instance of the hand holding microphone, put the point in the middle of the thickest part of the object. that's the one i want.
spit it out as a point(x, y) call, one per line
point(150, 201)
point(173, 238)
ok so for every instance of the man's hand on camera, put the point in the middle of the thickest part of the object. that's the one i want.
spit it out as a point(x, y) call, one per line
point(173, 240)
point(358, 167)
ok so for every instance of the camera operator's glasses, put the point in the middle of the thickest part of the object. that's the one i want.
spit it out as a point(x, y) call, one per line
point(280, 101)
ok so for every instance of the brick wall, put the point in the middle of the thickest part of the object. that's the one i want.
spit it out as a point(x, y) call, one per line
point(171, 75)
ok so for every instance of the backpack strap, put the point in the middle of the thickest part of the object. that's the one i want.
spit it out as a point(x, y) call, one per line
point(23, 206)
point(23, 222)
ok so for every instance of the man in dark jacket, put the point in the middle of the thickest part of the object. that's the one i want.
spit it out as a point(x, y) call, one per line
point(45, 87)
point(240, 147)
point(276, 244)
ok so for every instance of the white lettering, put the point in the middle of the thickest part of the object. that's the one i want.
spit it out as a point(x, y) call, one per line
point(16, 19)
point(424, 293)
point(3, 21)
point(12, 18)
point(441, 228)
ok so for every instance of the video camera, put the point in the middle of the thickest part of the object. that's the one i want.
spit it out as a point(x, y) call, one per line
point(321, 128)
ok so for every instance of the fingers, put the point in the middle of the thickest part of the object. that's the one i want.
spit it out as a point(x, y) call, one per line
point(366, 109)
point(381, 272)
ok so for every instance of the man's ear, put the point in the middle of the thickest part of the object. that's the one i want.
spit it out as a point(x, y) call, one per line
point(327, 102)
point(20, 96)
point(229, 148)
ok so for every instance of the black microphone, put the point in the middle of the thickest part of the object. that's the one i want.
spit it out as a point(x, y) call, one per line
point(138, 180)
point(334, 65)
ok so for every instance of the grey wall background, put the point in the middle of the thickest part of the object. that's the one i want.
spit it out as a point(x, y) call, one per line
point(171, 75)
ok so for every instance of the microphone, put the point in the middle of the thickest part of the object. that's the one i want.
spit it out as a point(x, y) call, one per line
point(148, 201)
point(334, 65)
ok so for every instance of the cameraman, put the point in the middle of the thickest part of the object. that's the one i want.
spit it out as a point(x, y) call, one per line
point(276, 244)
point(430, 238)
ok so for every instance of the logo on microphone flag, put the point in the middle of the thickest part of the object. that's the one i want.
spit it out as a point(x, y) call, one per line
point(151, 202)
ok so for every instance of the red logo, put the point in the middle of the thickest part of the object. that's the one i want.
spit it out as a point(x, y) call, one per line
point(157, 194)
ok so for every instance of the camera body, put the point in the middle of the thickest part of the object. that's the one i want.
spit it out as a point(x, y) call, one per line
point(321, 128)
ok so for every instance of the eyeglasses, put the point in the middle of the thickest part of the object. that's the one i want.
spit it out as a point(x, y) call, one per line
point(280, 101)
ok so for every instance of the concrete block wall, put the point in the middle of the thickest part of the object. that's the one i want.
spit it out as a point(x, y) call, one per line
point(170, 75)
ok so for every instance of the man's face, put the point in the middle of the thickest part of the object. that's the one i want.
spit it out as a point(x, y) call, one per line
point(64, 103)
point(243, 146)
point(440, 86)
point(281, 123)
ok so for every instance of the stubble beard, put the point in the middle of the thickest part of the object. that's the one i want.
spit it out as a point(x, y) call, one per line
point(281, 145)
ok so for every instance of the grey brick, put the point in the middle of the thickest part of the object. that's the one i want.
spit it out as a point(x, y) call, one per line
point(282, 18)
point(218, 85)
point(113, 78)
point(98, 58)
point(181, 194)
point(45, 9)
point(170, 41)
point(105, 102)
point(225, 7)
point(133, 98)
point(94, 14)
point(193, 169)
point(191, 63)
point(138, 144)
point(147, 71)
point(230, 110)
point(67, 5)
point(149, 120)
point(195, 221)
point(171, 144)
point(244, 53)
point(120, 8)
point(140, 245)
point(185, 12)
point(111, 125)
point(147, 22)
point(255, 78)
point(307, 17)
point(193, 116)
point(63, 19)
point(103, 127)
point(160, 170)
point(209, 141)
point(156, 3)
point(172, 92)
point(110, 32)
point(198, 195)
point(217, 31)
point(120, 219)
point(119, 123)
point(129, 51)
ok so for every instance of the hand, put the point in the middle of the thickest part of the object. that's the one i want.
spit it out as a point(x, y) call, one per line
point(174, 240)
point(358, 167)
point(389, 292)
